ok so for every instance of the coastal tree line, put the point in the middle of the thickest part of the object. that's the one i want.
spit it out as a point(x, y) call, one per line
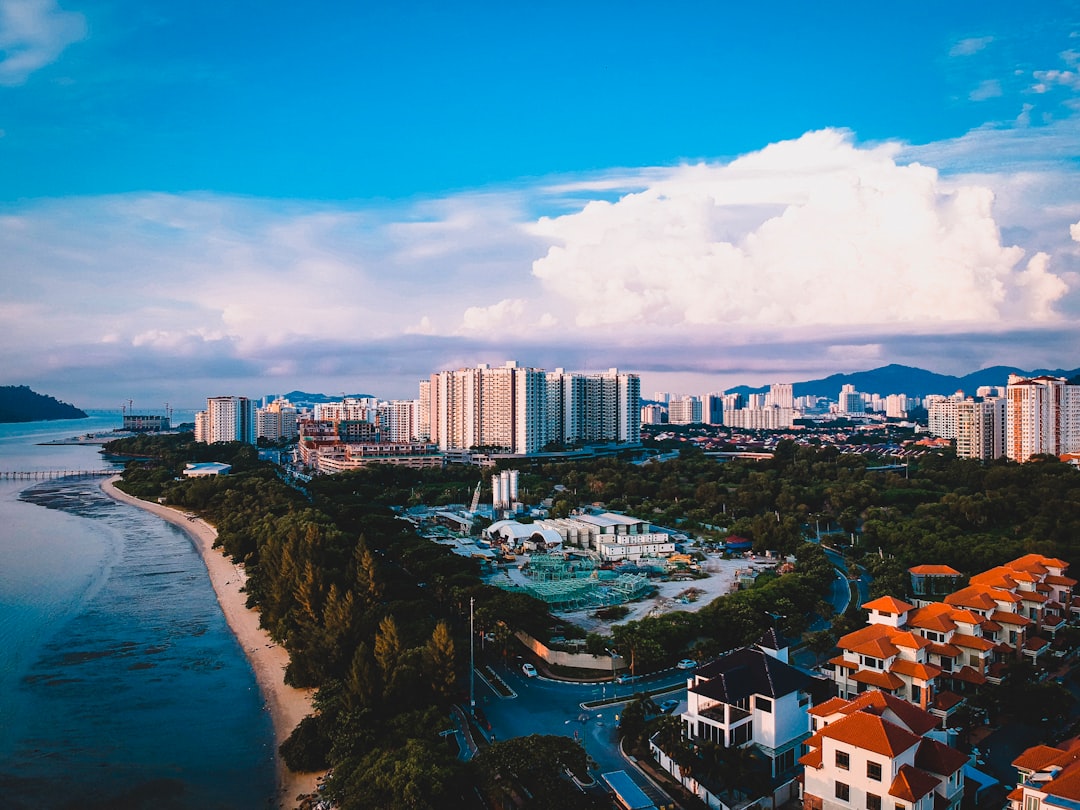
point(376, 617)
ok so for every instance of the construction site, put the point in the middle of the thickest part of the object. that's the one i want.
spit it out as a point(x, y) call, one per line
point(572, 583)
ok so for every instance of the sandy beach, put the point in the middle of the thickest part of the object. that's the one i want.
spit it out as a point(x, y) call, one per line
point(287, 705)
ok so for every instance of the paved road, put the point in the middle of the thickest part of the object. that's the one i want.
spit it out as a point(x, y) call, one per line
point(544, 706)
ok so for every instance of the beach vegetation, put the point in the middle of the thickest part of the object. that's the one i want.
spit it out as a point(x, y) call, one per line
point(374, 616)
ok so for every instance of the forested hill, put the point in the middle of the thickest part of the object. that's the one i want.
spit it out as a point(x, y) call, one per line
point(19, 404)
point(897, 379)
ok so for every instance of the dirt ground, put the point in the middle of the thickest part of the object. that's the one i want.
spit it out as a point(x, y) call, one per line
point(691, 595)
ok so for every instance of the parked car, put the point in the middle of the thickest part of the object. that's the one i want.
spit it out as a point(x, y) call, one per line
point(668, 706)
point(529, 670)
point(687, 663)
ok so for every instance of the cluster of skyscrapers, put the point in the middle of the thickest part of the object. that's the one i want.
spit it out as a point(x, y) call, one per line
point(520, 410)
point(517, 410)
point(1030, 416)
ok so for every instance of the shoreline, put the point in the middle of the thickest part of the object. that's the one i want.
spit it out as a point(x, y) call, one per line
point(287, 704)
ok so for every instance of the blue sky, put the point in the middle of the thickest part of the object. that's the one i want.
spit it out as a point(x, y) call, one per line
point(209, 198)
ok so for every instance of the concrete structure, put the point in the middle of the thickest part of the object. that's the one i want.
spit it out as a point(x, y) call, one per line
point(684, 410)
point(941, 414)
point(608, 536)
point(772, 417)
point(850, 401)
point(653, 415)
point(878, 752)
point(520, 410)
point(1042, 416)
point(278, 420)
point(145, 423)
point(751, 697)
point(226, 419)
point(918, 653)
point(206, 469)
point(589, 408)
point(330, 447)
point(1048, 777)
point(980, 428)
point(504, 489)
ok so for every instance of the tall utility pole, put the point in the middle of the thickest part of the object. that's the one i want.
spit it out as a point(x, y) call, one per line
point(472, 660)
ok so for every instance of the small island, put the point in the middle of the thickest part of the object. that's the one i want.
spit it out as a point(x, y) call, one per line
point(19, 404)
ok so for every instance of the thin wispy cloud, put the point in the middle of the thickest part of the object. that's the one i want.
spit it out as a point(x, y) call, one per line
point(33, 34)
point(991, 88)
point(970, 46)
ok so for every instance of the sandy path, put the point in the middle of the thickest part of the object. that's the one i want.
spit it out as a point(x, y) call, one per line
point(288, 705)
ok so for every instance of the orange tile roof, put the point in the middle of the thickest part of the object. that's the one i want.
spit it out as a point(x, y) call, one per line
point(871, 733)
point(1005, 617)
point(1032, 596)
point(972, 642)
point(911, 784)
point(910, 640)
point(888, 604)
point(972, 596)
point(968, 675)
point(932, 617)
point(811, 759)
point(934, 570)
point(1036, 563)
point(936, 757)
point(873, 640)
point(946, 700)
point(840, 661)
point(830, 706)
point(924, 672)
point(917, 720)
point(1038, 757)
point(1054, 579)
point(999, 577)
point(948, 650)
point(1035, 643)
point(1066, 785)
point(882, 680)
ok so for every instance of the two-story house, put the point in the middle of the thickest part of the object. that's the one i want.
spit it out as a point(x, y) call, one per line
point(752, 697)
point(1048, 777)
point(871, 753)
point(886, 655)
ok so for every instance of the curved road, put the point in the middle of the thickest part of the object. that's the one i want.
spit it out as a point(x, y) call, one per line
point(544, 706)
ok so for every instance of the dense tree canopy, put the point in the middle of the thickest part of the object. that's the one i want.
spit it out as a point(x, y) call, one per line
point(376, 617)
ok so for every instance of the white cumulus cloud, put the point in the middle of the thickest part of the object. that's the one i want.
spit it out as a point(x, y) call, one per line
point(33, 33)
point(810, 232)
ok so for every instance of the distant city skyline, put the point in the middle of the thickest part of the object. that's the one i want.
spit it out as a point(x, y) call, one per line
point(350, 198)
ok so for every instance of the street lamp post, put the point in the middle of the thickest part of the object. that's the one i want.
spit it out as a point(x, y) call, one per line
point(472, 659)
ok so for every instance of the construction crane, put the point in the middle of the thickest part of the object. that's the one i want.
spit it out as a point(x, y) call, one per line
point(476, 498)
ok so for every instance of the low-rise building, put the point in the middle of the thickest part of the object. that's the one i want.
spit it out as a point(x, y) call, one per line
point(1048, 777)
point(875, 752)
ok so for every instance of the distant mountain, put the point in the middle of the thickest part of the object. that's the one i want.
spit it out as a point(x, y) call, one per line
point(897, 379)
point(304, 398)
point(19, 404)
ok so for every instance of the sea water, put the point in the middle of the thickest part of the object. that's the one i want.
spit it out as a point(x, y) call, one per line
point(121, 685)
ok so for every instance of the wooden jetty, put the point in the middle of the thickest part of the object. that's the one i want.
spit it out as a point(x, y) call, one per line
point(45, 475)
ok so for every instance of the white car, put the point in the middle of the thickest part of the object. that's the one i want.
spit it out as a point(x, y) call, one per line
point(687, 663)
point(529, 670)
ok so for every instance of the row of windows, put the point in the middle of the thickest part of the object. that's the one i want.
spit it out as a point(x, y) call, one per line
point(873, 769)
point(873, 801)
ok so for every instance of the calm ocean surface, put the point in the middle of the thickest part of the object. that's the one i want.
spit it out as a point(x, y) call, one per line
point(121, 685)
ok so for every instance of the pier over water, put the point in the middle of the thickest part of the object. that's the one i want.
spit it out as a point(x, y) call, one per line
point(45, 475)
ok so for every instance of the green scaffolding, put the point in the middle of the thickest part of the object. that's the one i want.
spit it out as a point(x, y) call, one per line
point(576, 584)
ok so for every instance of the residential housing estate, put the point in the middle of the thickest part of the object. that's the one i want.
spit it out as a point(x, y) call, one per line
point(881, 739)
